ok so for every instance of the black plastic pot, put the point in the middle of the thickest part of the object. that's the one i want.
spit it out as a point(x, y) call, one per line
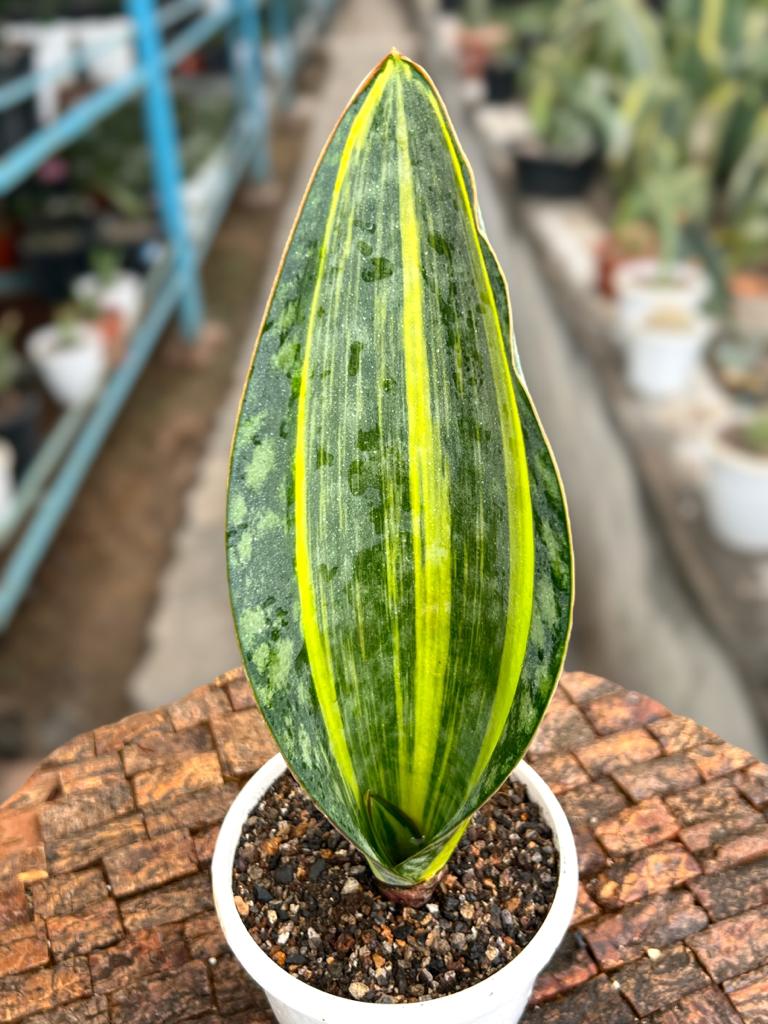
point(501, 78)
point(554, 176)
point(21, 423)
point(54, 252)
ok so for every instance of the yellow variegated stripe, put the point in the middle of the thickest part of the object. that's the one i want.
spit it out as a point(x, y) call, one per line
point(430, 507)
point(315, 628)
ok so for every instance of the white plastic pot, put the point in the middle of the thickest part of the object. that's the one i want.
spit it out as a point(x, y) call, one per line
point(72, 372)
point(124, 295)
point(7, 478)
point(645, 286)
point(736, 498)
point(500, 999)
point(659, 361)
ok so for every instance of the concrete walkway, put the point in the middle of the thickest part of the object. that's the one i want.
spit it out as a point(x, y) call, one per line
point(634, 620)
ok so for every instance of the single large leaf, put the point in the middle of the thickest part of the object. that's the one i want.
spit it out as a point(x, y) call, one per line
point(397, 539)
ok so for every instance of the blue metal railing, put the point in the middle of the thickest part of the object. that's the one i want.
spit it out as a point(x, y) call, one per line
point(52, 481)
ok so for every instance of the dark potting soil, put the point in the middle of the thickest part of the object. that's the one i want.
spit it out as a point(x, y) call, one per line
point(310, 901)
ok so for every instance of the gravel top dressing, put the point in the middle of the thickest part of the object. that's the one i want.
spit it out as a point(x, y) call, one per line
point(309, 900)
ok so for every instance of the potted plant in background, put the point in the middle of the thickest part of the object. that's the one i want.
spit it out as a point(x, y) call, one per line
point(69, 356)
point(21, 407)
point(736, 485)
point(401, 581)
point(113, 292)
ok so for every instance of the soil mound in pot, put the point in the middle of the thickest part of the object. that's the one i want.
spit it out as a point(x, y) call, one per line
point(308, 898)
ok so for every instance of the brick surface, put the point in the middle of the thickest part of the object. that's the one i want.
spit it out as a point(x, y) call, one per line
point(93, 927)
point(734, 946)
point(637, 828)
point(731, 892)
point(652, 985)
point(106, 909)
point(617, 751)
point(660, 921)
point(150, 863)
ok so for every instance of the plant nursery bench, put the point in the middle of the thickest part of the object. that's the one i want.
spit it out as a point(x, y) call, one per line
point(106, 914)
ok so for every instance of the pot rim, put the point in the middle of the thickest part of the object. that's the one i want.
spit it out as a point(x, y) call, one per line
point(297, 993)
point(630, 274)
point(750, 462)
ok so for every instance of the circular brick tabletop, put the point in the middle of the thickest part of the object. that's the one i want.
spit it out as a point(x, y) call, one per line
point(106, 914)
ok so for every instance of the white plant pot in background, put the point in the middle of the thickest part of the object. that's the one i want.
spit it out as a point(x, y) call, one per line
point(7, 478)
point(124, 295)
point(736, 498)
point(660, 362)
point(645, 286)
point(500, 999)
point(72, 373)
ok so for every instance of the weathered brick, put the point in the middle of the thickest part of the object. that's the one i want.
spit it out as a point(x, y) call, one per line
point(203, 704)
point(652, 985)
point(234, 989)
point(704, 803)
point(564, 727)
point(174, 902)
point(91, 768)
point(240, 692)
point(205, 843)
point(87, 847)
point(25, 863)
point(204, 936)
point(45, 989)
point(156, 748)
point(23, 948)
point(175, 996)
point(644, 874)
point(753, 784)
point(716, 831)
point(95, 926)
point(177, 780)
point(658, 777)
point(585, 906)
point(571, 966)
point(13, 904)
point(155, 951)
point(593, 803)
point(595, 1002)
point(195, 811)
point(116, 735)
point(150, 863)
point(619, 711)
point(734, 946)
point(68, 894)
point(677, 733)
point(38, 788)
point(591, 855)
point(72, 814)
point(561, 772)
point(76, 749)
point(18, 829)
point(243, 741)
point(617, 751)
point(657, 922)
point(85, 1011)
point(583, 687)
point(636, 828)
point(741, 850)
point(749, 994)
point(707, 1006)
point(716, 759)
point(732, 892)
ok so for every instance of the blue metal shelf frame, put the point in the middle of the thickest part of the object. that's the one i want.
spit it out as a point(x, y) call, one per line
point(52, 481)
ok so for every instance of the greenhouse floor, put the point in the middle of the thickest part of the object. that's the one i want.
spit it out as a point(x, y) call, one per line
point(634, 619)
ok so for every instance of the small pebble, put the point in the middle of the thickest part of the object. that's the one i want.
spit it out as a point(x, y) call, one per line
point(350, 887)
point(358, 990)
point(242, 906)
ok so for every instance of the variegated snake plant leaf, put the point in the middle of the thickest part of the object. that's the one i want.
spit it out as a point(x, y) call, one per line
point(397, 537)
